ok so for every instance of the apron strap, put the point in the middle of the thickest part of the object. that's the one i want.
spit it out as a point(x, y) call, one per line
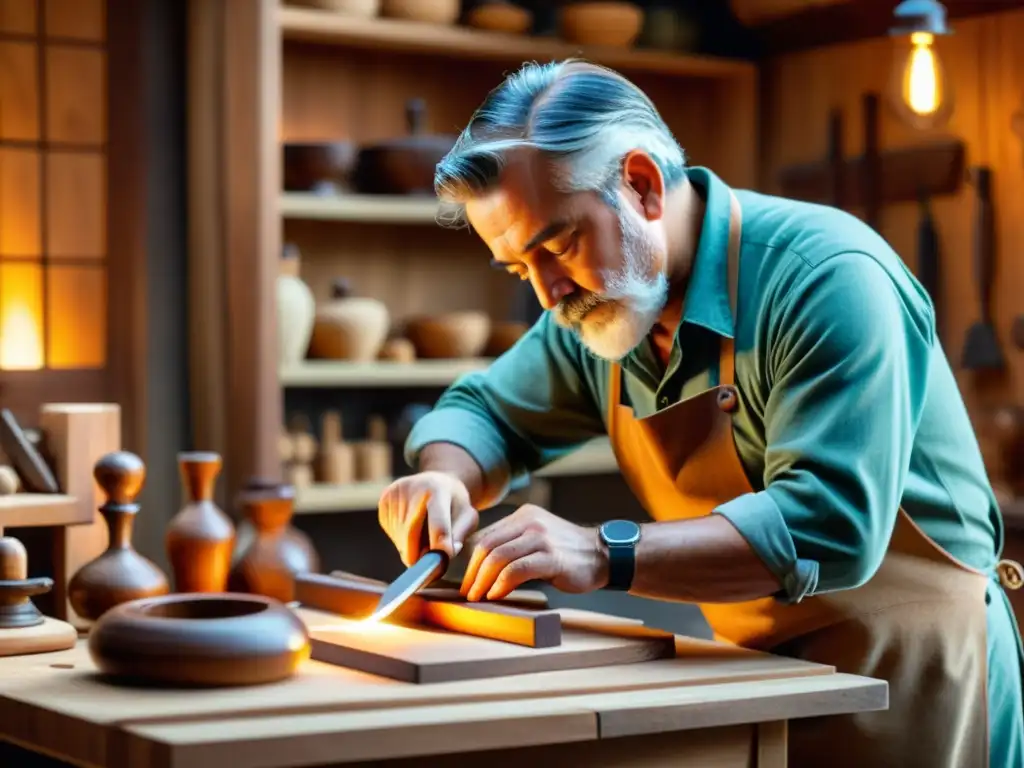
point(726, 365)
point(727, 348)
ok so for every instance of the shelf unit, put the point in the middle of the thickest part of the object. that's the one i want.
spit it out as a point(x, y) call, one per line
point(594, 458)
point(455, 42)
point(365, 209)
point(340, 373)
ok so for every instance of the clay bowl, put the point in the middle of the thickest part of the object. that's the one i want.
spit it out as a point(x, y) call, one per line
point(601, 23)
point(203, 640)
point(452, 335)
point(503, 336)
point(352, 328)
point(500, 16)
point(321, 167)
point(430, 11)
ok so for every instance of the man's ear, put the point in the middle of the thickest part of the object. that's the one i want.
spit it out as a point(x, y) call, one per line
point(643, 184)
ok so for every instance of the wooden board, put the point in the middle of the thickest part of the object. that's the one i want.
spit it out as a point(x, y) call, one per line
point(58, 700)
point(51, 635)
point(436, 656)
point(21, 510)
point(356, 597)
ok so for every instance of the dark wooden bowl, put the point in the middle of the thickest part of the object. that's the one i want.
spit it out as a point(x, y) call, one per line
point(318, 167)
point(214, 639)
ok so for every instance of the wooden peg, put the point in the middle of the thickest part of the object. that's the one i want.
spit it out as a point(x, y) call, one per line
point(337, 458)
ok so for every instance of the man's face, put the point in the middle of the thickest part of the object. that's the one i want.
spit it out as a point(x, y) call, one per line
point(601, 271)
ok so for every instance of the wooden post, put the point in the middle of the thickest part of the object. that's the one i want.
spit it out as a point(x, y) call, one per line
point(235, 238)
point(76, 435)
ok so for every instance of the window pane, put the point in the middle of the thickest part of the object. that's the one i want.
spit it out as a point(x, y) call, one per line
point(19, 203)
point(76, 98)
point(76, 221)
point(21, 316)
point(76, 316)
point(83, 19)
point(19, 91)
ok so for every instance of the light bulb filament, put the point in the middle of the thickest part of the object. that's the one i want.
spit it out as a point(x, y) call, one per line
point(922, 89)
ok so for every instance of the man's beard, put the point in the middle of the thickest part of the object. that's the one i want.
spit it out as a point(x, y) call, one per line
point(614, 323)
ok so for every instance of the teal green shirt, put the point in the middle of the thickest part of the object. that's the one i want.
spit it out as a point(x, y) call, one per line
point(848, 406)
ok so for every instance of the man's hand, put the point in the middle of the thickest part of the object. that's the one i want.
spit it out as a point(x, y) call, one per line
point(436, 498)
point(529, 544)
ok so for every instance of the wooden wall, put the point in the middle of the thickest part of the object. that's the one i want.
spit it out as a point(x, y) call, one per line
point(985, 63)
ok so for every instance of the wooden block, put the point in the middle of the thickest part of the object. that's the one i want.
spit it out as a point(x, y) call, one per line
point(429, 656)
point(51, 635)
point(76, 436)
point(357, 598)
point(20, 510)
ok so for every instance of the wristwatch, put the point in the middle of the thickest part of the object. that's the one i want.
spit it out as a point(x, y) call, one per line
point(621, 537)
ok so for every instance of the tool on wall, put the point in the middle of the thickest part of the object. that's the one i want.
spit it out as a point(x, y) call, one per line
point(981, 346)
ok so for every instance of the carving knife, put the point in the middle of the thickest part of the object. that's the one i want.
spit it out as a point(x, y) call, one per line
point(430, 567)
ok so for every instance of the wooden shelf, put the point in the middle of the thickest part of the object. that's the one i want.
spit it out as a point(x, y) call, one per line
point(370, 209)
point(595, 458)
point(456, 42)
point(25, 510)
point(340, 373)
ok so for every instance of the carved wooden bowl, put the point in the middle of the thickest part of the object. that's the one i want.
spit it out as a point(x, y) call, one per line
point(449, 336)
point(615, 24)
point(214, 639)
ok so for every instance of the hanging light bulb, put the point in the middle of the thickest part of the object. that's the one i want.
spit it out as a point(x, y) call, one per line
point(920, 91)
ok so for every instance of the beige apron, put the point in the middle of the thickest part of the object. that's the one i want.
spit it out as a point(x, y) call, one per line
point(919, 623)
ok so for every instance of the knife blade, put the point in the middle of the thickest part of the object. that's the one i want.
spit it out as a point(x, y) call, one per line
point(431, 566)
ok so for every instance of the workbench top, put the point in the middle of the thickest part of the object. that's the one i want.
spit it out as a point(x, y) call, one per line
point(56, 703)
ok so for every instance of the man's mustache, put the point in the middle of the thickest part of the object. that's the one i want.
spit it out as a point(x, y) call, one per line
point(572, 309)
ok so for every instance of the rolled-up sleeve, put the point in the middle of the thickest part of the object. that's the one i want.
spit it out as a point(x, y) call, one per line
point(847, 362)
point(534, 404)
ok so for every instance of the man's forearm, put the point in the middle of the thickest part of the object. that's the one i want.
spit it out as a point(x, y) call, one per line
point(484, 488)
point(704, 560)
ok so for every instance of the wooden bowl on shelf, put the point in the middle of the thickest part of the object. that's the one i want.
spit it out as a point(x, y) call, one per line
point(503, 337)
point(429, 11)
point(500, 16)
point(322, 167)
point(213, 639)
point(366, 9)
point(610, 24)
point(449, 336)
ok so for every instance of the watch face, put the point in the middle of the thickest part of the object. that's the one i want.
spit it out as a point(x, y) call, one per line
point(620, 532)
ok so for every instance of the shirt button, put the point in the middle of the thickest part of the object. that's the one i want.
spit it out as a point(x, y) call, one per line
point(664, 401)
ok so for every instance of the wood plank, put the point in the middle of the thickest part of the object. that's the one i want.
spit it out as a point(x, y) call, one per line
point(456, 42)
point(389, 734)
point(22, 510)
point(377, 209)
point(356, 599)
point(59, 698)
point(359, 736)
point(425, 656)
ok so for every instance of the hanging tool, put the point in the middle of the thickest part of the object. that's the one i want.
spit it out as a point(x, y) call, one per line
point(981, 346)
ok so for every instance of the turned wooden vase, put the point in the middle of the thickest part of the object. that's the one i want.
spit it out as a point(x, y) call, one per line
point(120, 574)
point(201, 537)
point(278, 552)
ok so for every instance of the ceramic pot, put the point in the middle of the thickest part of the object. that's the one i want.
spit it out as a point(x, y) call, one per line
point(349, 327)
point(277, 552)
point(613, 24)
point(296, 310)
point(452, 335)
point(200, 538)
point(430, 11)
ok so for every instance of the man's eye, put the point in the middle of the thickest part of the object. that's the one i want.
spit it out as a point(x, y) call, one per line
point(565, 250)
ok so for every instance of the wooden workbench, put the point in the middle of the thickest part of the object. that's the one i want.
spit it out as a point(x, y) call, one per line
point(713, 705)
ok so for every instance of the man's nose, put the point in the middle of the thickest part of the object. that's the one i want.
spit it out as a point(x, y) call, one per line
point(551, 288)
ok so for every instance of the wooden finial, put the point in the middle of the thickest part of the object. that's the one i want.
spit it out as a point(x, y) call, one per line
point(199, 470)
point(120, 475)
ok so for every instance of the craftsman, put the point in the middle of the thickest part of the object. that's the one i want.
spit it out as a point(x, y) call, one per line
point(770, 379)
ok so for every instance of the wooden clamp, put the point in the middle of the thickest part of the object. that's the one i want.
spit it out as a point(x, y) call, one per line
point(356, 597)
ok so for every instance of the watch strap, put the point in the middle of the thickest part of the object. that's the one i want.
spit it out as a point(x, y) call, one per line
point(621, 566)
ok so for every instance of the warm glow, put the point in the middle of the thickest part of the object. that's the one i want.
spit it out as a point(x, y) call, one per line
point(923, 90)
point(21, 317)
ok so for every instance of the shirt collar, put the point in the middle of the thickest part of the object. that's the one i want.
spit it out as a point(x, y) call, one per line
point(707, 296)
